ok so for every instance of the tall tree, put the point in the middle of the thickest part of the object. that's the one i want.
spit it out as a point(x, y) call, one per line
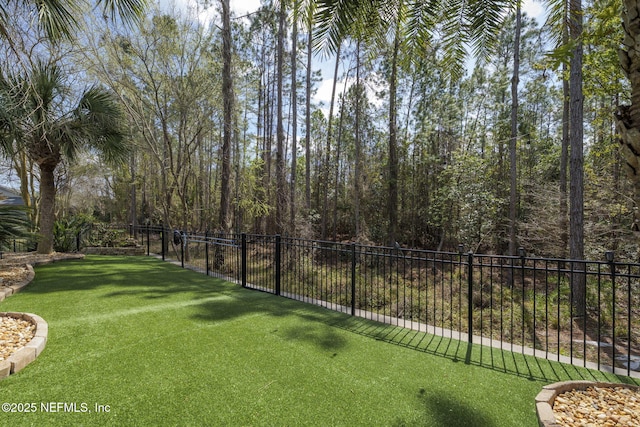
point(281, 199)
point(309, 12)
point(294, 117)
point(576, 161)
point(392, 201)
point(628, 116)
point(327, 156)
point(513, 141)
point(228, 105)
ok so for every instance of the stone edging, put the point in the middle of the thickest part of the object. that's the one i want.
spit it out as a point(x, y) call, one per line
point(14, 289)
point(544, 399)
point(29, 352)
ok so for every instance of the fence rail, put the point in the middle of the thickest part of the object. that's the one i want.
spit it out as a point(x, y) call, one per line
point(521, 304)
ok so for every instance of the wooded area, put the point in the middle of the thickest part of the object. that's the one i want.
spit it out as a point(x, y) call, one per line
point(217, 128)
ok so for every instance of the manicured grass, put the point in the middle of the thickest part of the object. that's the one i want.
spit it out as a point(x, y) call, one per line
point(164, 346)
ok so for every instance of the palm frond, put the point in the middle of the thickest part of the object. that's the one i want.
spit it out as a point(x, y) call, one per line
point(454, 37)
point(100, 118)
point(129, 11)
point(421, 22)
point(557, 19)
point(335, 21)
point(14, 223)
point(57, 18)
point(485, 18)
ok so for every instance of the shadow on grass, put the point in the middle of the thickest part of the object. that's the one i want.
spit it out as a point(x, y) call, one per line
point(313, 329)
point(448, 411)
point(501, 360)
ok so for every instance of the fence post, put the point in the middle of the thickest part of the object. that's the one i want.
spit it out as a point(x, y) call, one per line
point(148, 243)
point(609, 255)
point(353, 279)
point(78, 241)
point(243, 260)
point(162, 237)
point(278, 262)
point(183, 244)
point(206, 249)
point(470, 296)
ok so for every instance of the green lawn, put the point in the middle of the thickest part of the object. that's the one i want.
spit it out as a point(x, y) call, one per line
point(159, 345)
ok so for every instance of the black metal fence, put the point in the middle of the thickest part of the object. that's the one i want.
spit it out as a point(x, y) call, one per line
point(521, 304)
point(17, 245)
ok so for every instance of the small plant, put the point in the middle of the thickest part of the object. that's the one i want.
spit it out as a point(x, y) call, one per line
point(67, 230)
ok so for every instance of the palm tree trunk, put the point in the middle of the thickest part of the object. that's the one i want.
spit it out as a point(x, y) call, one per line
point(47, 208)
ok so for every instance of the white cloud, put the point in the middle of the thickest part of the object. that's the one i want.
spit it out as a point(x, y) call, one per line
point(323, 94)
point(210, 14)
point(242, 7)
point(534, 9)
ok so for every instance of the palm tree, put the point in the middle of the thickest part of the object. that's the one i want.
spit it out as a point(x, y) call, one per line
point(39, 116)
point(57, 18)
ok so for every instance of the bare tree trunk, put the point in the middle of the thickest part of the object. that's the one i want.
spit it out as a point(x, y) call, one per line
point(358, 147)
point(327, 160)
point(576, 161)
point(307, 139)
point(393, 144)
point(513, 196)
point(280, 178)
point(294, 125)
point(628, 116)
point(564, 153)
point(227, 95)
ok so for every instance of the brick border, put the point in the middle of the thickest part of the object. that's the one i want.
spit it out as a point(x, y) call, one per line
point(27, 354)
point(544, 399)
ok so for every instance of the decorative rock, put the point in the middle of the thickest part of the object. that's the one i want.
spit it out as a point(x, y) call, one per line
point(583, 403)
point(14, 334)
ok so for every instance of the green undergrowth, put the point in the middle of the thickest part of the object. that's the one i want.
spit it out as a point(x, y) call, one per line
point(135, 341)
